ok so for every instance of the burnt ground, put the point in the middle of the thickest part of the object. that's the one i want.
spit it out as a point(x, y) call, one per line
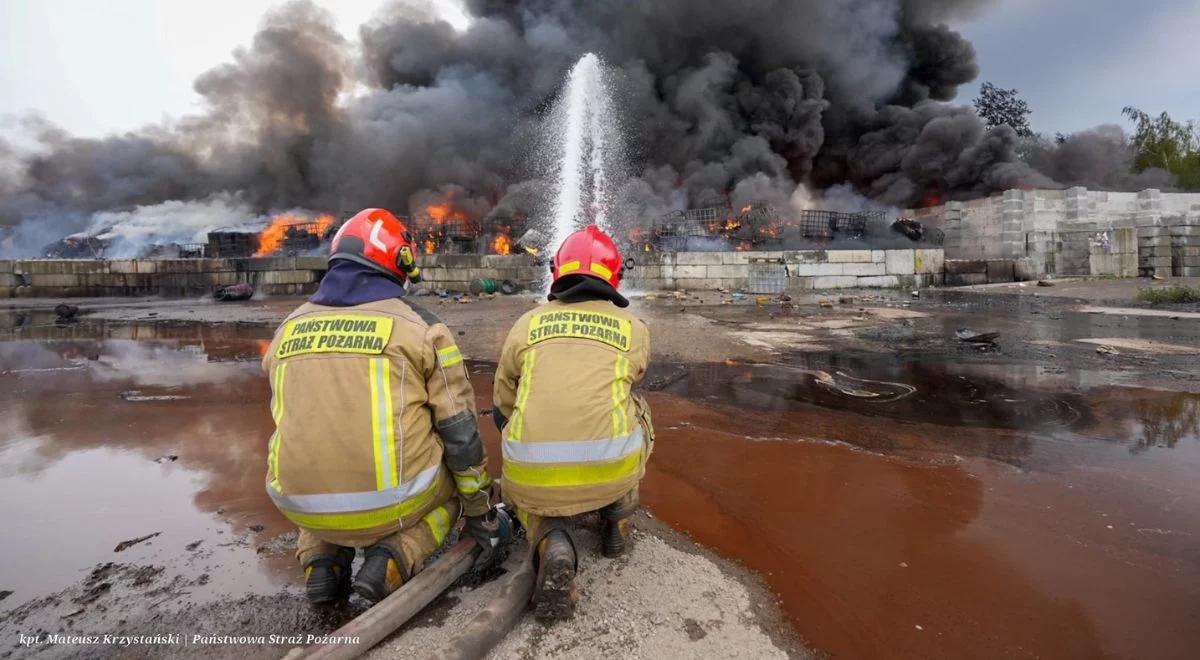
point(904, 492)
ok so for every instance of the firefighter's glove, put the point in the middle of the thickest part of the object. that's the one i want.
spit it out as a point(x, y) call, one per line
point(485, 530)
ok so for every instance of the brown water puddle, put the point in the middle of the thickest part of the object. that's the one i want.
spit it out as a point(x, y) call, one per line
point(912, 535)
point(149, 428)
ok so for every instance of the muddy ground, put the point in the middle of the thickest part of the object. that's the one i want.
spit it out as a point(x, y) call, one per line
point(900, 491)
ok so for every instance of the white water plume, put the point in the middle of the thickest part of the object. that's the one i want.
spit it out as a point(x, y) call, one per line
point(586, 144)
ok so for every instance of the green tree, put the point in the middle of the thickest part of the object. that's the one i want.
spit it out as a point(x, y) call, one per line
point(1001, 107)
point(1167, 144)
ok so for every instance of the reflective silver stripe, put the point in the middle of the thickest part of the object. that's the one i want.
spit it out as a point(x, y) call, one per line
point(449, 356)
point(583, 451)
point(350, 502)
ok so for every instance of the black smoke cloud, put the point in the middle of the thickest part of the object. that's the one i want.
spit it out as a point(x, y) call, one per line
point(715, 97)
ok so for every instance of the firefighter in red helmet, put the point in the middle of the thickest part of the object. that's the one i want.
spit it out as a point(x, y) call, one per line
point(375, 442)
point(575, 436)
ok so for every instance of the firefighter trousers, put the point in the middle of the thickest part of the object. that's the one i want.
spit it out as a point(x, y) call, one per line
point(538, 526)
point(414, 544)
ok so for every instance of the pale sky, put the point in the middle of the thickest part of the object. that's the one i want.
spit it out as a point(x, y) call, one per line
point(97, 67)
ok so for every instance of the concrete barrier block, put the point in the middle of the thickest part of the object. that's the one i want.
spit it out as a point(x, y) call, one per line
point(965, 279)
point(1000, 270)
point(734, 258)
point(808, 257)
point(322, 263)
point(698, 259)
point(879, 282)
point(728, 271)
point(54, 279)
point(868, 269)
point(288, 277)
point(7, 291)
point(929, 261)
point(815, 270)
point(1025, 270)
point(122, 266)
point(697, 283)
point(794, 284)
point(686, 272)
point(964, 266)
point(848, 256)
point(835, 282)
point(878, 256)
point(900, 262)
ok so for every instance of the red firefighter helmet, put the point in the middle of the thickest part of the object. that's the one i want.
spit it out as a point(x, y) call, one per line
point(590, 252)
point(379, 240)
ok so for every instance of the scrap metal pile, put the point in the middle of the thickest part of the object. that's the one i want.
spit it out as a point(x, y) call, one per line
point(755, 226)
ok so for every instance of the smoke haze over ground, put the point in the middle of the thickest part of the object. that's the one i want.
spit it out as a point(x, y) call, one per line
point(717, 98)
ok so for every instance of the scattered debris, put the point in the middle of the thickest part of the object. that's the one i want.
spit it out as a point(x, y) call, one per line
point(916, 294)
point(1045, 283)
point(137, 396)
point(910, 228)
point(762, 300)
point(825, 303)
point(169, 458)
point(191, 547)
point(257, 528)
point(5, 593)
point(231, 292)
point(125, 545)
point(847, 300)
point(972, 337)
point(1107, 350)
point(66, 312)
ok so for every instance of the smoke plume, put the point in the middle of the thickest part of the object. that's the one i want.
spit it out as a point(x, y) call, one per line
point(718, 98)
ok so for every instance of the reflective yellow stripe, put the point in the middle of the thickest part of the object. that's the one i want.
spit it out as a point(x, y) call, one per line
point(517, 424)
point(364, 519)
point(582, 474)
point(382, 423)
point(569, 267)
point(439, 523)
point(620, 417)
point(449, 356)
point(469, 484)
point(600, 270)
point(277, 415)
point(524, 518)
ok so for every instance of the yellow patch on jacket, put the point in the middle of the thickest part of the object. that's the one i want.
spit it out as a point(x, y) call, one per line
point(597, 326)
point(340, 333)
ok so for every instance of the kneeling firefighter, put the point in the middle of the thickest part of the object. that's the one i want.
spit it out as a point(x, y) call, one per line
point(376, 444)
point(575, 437)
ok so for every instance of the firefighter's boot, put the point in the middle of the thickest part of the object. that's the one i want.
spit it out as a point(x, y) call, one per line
point(554, 595)
point(327, 578)
point(381, 573)
point(616, 532)
point(615, 537)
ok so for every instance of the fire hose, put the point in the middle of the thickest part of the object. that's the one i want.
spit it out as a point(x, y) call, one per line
point(372, 626)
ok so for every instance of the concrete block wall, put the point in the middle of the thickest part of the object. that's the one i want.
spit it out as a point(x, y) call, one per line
point(149, 277)
point(798, 270)
point(1185, 242)
point(1054, 230)
point(455, 272)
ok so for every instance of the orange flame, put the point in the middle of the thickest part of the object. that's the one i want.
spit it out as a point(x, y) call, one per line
point(502, 245)
point(430, 246)
point(271, 239)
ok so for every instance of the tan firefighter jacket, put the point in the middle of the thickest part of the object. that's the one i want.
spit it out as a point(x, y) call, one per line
point(375, 421)
point(576, 437)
